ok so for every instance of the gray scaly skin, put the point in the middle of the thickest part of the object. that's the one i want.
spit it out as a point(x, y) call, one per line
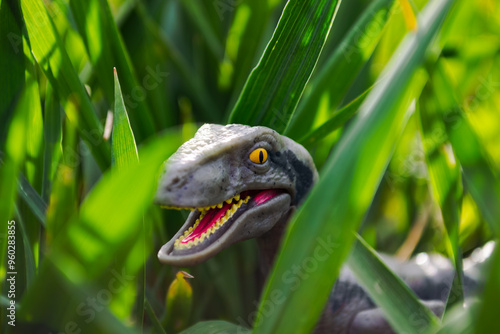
point(215, 168)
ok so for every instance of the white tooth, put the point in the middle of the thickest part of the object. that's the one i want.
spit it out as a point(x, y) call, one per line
point(228, 201)
point(219, 205)
point(237, 197)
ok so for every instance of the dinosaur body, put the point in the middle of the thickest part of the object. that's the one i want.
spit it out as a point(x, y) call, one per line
point(244, 182)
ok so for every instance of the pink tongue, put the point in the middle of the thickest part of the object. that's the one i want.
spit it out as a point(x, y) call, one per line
point(265, 195)
point(213, 215)
point(210, 218)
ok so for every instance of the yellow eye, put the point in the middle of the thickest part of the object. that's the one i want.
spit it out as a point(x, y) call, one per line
point(259, 156)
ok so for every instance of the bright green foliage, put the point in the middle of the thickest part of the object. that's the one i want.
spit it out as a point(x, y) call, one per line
point(403, 126)
point(106, 50)
point(289, 58)
point(48, 49)
point(348, 58)
point(123, 149)
point(444, 172)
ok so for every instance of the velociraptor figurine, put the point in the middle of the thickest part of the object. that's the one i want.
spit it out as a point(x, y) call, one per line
point(244, 182)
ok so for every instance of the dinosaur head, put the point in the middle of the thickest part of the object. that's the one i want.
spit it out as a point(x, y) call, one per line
point(238, 181)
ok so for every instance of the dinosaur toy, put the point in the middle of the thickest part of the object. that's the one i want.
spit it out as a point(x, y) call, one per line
point(243, 182)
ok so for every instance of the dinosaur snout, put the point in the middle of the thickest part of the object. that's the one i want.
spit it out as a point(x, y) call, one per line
point(192, 187)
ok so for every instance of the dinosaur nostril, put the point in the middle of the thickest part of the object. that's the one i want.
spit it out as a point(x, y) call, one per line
point(175, 183)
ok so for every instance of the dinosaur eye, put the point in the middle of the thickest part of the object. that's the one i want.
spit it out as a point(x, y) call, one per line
point(259, 156)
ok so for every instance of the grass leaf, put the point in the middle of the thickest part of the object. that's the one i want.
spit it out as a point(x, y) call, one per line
point(49, 52)
point(481, 182)
point(389, 292)
point(274, 87)
point(338, 120)
point(123, 149)
point(12, 64)
point(335, 78)
point(215, 327)
point(31, 197)
point(106, 50)
point(487, 317)
point(444, 171)
point(52, 140)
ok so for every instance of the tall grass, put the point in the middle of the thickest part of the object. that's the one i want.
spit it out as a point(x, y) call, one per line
point(395, 100)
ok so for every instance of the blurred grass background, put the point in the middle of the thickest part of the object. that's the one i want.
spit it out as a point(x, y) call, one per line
point(424, 158)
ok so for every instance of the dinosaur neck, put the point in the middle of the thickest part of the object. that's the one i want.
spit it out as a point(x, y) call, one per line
point(270, 242)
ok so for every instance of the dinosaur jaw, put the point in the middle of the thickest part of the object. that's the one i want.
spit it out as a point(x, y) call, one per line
point(208, 230)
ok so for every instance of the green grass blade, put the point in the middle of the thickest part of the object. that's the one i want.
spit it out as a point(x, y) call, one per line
point(335, 78)
point(481, 182)
point(389, 292)
point(14, 155)
point(123, 146)
point(208, 107)
point(63, 202)
point(156, 323)
point(356, 167)
point(460, 320)
point(124, 154)
point(274, 87)
point(24, 256)
point(13, 112)
point(55, 304)
point(487, 317)
point(33, 199)
point(244, 41)
point(198, 16)
point(444, 172)
point(52, 140)
point(12, 65)
point(49, 52)
point(215, 327)
point(34, 133)
point(13, 144)
point(338, 120)
point(106, 50)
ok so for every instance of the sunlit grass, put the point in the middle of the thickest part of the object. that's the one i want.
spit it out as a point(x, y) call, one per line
point(404, 134)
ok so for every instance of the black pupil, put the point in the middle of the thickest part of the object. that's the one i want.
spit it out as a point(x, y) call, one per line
point(261, 156)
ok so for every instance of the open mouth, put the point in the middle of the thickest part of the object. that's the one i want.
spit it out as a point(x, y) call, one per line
point(209, 223)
